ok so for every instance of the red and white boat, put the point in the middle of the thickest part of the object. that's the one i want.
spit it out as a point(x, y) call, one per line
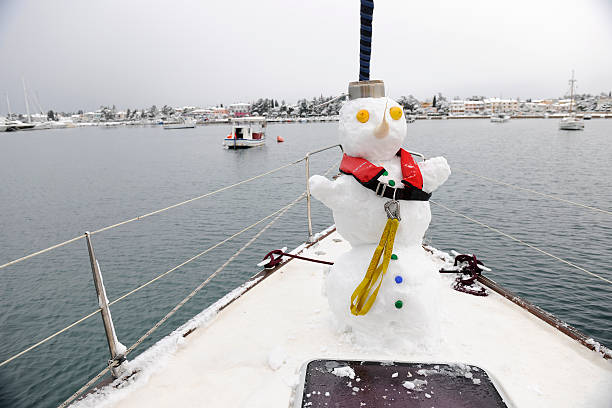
point(246, 132)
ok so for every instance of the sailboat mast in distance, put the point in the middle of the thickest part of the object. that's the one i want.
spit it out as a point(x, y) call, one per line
point(572, 82)
point(25, 97)
point(8, 106)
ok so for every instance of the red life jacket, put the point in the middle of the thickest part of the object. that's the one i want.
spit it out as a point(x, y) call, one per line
point(367, 175)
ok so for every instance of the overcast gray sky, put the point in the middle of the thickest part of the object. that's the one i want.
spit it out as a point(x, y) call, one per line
point(80, 54)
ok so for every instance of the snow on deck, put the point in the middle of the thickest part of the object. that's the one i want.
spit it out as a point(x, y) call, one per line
point(251, 352)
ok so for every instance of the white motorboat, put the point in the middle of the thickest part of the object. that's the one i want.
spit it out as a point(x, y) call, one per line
point(500, 118)
point(571, 122)
point(181, 123)
point(246, 132)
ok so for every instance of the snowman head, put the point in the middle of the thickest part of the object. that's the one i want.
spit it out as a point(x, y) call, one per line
point(372, 128)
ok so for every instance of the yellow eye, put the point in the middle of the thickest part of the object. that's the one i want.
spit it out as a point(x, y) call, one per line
point(395, 112)
point(363, 116)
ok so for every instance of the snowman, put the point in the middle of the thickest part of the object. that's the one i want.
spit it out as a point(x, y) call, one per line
point(381, 184)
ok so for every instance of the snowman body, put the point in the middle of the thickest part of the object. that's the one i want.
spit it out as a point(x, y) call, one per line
point(405, 309)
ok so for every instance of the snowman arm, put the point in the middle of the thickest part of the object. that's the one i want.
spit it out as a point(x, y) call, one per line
point(435, 172)
point(323, 190)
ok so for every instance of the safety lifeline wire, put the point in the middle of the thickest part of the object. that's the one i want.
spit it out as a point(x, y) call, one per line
point(278, 214)
point(522, 242)
point(50, 337)
point(140, 217)
point(32, 347)
point(503, 183)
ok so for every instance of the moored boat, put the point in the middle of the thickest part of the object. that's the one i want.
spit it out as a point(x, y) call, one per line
point(248, 131)
point(571, 122)
point(181, 123)
point(500, 118)
point(14, 125)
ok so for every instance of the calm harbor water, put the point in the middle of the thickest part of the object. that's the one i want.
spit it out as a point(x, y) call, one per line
point(56, 184)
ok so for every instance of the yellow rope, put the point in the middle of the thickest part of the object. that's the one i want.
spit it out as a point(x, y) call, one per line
point(361, 299)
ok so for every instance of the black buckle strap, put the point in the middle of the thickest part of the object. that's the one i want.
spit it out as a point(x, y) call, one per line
point(408, 193)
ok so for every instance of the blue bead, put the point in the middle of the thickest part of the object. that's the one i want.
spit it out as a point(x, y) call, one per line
point(398, 279)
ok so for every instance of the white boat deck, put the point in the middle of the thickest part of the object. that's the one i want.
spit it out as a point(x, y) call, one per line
point(251, 352)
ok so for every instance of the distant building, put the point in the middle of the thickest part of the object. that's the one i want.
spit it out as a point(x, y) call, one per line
point(220, 113)
point(501, 105)
point(240, 109)
point(200, 113)
point(92, 116)
point(474, 106)
point(456, 107)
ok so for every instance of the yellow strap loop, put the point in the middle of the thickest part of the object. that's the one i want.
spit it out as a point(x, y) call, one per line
point(361, 299)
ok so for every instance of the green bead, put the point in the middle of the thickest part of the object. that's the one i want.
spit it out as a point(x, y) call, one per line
point(394, 257)
point(386, 173)
point(399, 304)
point(391, 183)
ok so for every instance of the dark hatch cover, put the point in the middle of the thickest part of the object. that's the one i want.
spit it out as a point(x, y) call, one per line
point(389, 384)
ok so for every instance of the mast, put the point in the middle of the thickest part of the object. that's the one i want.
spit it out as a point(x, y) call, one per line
point(8, 106)
point(366, 11)
point(572, 82)
point(37, 102)
point(25, 96)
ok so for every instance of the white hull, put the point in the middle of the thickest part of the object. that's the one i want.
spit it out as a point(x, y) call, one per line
point(62, 125)
point(185, 124)
point(43, 125)
point(571, 124)
point(179, 126)
point(12, 126)
point(243, 143)
point(498, 119)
